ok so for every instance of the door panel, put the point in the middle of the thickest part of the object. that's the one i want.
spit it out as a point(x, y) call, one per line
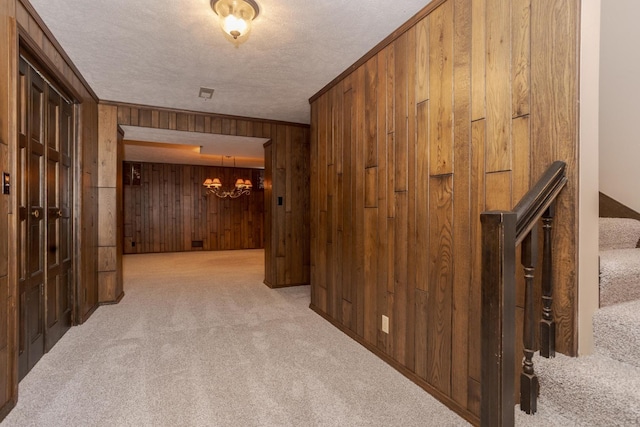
point(44, 222)
point(31, 219)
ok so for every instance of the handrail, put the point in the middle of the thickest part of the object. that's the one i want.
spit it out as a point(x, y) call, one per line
point(538, 199)
point(502, 232)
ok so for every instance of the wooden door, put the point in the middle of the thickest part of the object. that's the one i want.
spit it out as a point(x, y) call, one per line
point(31, 219)
point(58, 236)
point(43, 186)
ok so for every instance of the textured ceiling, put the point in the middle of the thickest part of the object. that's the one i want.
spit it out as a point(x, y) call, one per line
point(160, 52)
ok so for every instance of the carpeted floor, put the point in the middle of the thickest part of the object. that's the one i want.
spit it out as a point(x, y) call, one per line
point(198, 340)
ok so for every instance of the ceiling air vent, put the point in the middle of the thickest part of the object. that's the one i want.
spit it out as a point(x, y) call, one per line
point(205, 93)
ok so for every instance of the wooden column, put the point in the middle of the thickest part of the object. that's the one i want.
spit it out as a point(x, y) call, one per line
point(110, 156)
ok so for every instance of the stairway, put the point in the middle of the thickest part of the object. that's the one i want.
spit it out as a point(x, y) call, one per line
point(602, 389)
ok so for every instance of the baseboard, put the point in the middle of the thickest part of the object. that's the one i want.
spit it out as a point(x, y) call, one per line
point(443, 398)
point(84, 317)
point(4, 410)
point(116, 301)
point(289, 285)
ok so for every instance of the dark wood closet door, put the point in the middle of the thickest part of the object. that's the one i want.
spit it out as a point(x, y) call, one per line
point(46, 132)
point(57, 235)
point(31, 220)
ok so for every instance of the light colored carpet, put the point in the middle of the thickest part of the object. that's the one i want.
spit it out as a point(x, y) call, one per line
point(198, 340)
point(618, 233)
point(616, 331)
point(619, 276)
point(591, 390)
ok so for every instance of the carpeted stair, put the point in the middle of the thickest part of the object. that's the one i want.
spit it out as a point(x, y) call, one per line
point(602, 389)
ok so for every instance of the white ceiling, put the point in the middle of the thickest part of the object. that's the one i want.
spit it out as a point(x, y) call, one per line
point(160, 52)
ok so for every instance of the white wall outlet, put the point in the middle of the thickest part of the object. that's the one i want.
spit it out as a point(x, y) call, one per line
point(385, 324)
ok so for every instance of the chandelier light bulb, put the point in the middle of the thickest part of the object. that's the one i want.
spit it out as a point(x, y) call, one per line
point(235, 16)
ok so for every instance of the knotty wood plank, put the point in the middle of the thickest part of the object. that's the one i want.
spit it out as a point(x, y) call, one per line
point(370, 274)
point(371, 113)
point(521, 157)
point(498, 191)
point(421, 332)
point(422, 195)
point(358, 211)
point(498, 89)
point(347, 200)
point(478, 59)
point(382, 250)
point(440, 87)
point(412, 256)
point(521, 56)
point(422, 60)
point(477, 206)
point(401, 291)
point(440, 283)
point(461, 203)
point(371, 187)
point(554, 124)
point(401, 112)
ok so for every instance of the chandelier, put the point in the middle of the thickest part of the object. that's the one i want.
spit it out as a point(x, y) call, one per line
point(235, 16)
point(214, 186)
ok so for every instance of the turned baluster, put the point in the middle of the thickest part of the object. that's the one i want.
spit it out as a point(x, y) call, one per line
point(528, 378)
point(547, 325)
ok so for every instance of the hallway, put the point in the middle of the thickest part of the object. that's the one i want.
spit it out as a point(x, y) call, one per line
point(199, 340)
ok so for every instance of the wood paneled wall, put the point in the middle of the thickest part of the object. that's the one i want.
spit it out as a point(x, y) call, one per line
point(171, 209)
point(110, 213)
point(457, 112)
point(287, 208)
point(21, 28)
point(287, 234)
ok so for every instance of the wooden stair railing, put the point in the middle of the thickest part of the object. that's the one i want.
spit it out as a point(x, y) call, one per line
point(502, 232)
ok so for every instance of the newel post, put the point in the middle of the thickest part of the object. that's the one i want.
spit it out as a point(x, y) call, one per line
point(498, 319)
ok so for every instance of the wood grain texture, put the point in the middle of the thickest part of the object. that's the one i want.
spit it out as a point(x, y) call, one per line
point(450, 104)
point(554, 119)
point(440, 86)
point(440, 283)
point(461, 225)
point(498, 85)
point(171, 209)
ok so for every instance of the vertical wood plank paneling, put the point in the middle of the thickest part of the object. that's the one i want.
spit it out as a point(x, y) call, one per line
point(422, 195)
point(477, 206)
point(478, 58)
point(422, 58)
point(498, 89)
point(170, 209)
point(461, 204)
point(554, 75)
point(382, 181)
point(412, 256)
point(400, 117)
point(438, 126)
point(358, 206)
point(440, 86)
point(440, 283)
point(521, 56)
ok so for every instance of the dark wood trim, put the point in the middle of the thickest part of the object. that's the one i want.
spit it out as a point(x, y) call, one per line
point(377, 48)
point(115, 301)
point(446, 400)
point(84, 317)
point(289, 285)
point(4, 411)
point(201, 113)
point(611, 208)
point(33, 53)
point(58, 47)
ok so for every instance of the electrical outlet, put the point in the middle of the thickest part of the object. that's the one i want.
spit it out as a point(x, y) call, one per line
point(385, 324)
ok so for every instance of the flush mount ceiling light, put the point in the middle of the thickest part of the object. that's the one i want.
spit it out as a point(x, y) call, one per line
point(235, 16)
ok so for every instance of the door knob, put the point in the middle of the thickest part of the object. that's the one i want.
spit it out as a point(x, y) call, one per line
point(35, 213)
